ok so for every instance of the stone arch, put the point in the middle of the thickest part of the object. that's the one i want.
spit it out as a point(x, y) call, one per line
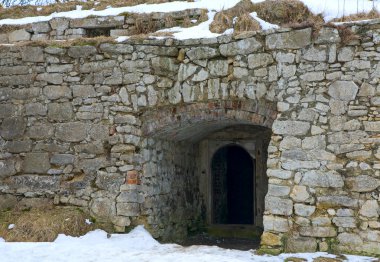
point(185, 137)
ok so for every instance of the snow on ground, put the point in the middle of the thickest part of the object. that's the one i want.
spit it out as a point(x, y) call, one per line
point(137, 246)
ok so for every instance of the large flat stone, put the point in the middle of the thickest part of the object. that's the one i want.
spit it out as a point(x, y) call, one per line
point(278, 206)
point(36, 163)
point(362, 183)
point(289, 40)
point(343, 90)
point(242, 47)
point(289, 127)
point(71, 132)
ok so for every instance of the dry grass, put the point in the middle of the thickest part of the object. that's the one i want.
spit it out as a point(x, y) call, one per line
point(24, 11)
point(4, 29)
point(373, 14)
point(290, 13)
point(246, 23)
point(346, 35)
point(41, 225)
point(145, 24)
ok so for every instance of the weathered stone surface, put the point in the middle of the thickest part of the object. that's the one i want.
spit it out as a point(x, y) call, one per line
point(322, 179)
point(56, 92)
point(334, 201)
point(299, 194)
point(343, 90)
point(40, 131)
point(362, 183)
point(276, 224)
point(289, 40)
point(351, 240)
point(71, 131)
point(36, 163)
point(279, 206)
point(202, 52)
point(51, 78)
point(35, 183)
point(98, 22)
point(283, 174)
point(19, 35)
point(7, 168)
point(370, 209)
point(128, 209)
point(218, 67)
point(103, 208)
point(62, 159)
point(164, 65)
point(7, 202)
point(303, 210)
point(270, 239)
point(60, 111)
point(347, 222)
point(241, 47)
point(300, 244)
point(290, 127)
point(13, 127)
point(81, 51)
point(116, 48)
point(18, 146)
point(259, 60)
point(372, 126)
point(278, 191)
point(32, 54)
point(317, 231)
point(185, 71)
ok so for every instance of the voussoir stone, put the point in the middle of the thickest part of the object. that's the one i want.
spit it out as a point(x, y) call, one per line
point(343, 90)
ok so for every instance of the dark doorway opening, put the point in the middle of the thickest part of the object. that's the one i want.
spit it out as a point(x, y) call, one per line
point(233, 177)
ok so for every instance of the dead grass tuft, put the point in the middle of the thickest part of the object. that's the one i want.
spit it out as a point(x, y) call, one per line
point(373, 14)
point(145, 24)
point(246, 23)
point(290, 13)
point(346, 35)
point(41, 225)
point(4, 29)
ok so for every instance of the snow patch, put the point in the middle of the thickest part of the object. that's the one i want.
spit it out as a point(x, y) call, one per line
point(264, 25)
point(88, 222)
point(11, 226)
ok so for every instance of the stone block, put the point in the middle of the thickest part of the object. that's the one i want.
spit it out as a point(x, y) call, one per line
point(32, 54)
point(241, 47)
point(84, 91)
point(51, 78)
point(60, 111)
point(315, 54)
point(372, 126)
point(128, 209)
point(202, 52)
point(40, 131)
point(35, 109)
point(327, 35)
point(36, 163)
point(337, 201)
point(300, 244)
point(81, 51)
point(103, 208)
point(289, 40)
point(318, 231)
point(7, 167)
point(109, 181)
point(259, 60)
point(71, 132)
point(8, 110)
point(7, 201)
point(116, 48)
point(362, 183)
point(62, 159)
point(18, 146)
point(299, 193)
point(278, 206)
point(98, 22)
point(346, 222)
point(41, 27)
point(218, 67)
point(12, 127)
point(276, 224)
point(278, 191)
point(304, 210)
point(322, 179)
point(290, 127)
point(370, 209)
point(164, 65)
point(19, 35)
point(270, 239)
point(346, 54)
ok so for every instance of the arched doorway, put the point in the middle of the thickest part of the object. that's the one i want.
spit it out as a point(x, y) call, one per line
point(233, 178)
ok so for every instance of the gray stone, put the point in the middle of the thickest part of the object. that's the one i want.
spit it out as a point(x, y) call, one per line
point(290, 127)
point(116, 48)
point(18, 146)
point(7, 167)
point(289, 40)
point(203, 52)
point(300, 244)
point(35, 183)
point(62, 159)
point(128, 209)
point(19, 35)
point(346, 54)
point(276, 224)
point(218, 67)
point(130, 197)
point(71, 132)
point(36, 163)
point(322, 179)
point(283, 174)
point(299, 193)
point(370, 209)
point(34, 109)
point(56, 92)
point(41, 27)
point(52, 78)
point(347, 222)
point(103, 208)
point(313, 76)
point(290, 142)
point(315, 54)
point(372, 126)
point(109, 181)
point(279, 206)
point(337, 201)
point(164, 65)
point(32, 54)
point(81, 51)
point(349, 239)
point(278, 191)
point(299, 165)
point(13, 127)
point(304, 210)
point(317, 231)
point(98, 22)
point(60, 111)
point(327, 35)
point(241, 47)
point(362, 183)
point(259, 60)
point(185, 71)
point(40, 131)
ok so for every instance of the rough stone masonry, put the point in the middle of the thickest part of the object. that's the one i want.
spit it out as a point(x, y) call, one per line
point(110, 128)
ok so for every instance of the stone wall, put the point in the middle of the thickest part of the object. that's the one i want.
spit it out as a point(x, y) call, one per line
point(116, 128)
point(61, 28)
